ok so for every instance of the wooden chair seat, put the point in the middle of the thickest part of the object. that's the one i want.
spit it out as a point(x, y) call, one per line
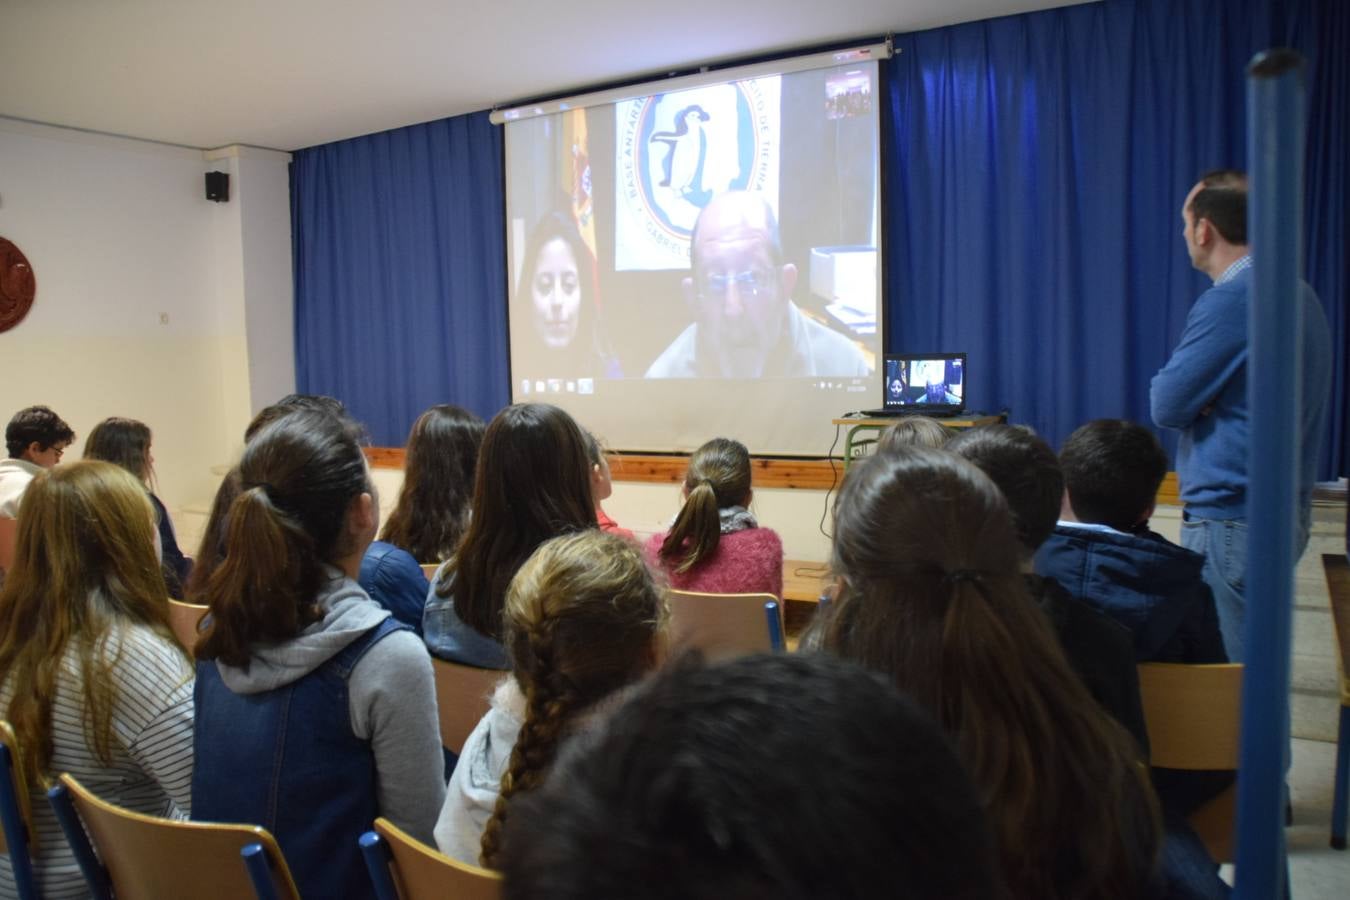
point(138, 857)
point(406, 869)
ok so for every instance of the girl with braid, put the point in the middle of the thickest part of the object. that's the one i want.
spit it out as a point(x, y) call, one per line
point(584, 618)
point(931, 595)
point(715, 544)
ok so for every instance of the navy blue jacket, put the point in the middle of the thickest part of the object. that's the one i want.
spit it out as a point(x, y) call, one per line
point(394, 580)
point(1146, 583)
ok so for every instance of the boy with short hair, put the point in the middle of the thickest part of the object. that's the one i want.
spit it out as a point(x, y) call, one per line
point(35, 438)
point(1103, 552)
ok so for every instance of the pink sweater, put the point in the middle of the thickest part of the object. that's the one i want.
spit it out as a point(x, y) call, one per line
point(745, 562)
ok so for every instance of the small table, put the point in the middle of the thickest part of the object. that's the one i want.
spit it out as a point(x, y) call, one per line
point(880, 424)
point(803, 583)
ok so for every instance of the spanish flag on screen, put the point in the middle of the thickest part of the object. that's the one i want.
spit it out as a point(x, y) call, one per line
point(575, 173)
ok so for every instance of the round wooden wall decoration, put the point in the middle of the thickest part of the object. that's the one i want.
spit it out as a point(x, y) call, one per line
point(18, 285)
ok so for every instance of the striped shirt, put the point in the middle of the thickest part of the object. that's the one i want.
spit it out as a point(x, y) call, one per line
point(151, 765)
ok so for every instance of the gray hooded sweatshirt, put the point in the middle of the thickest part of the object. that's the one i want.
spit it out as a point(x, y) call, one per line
point(391, 695)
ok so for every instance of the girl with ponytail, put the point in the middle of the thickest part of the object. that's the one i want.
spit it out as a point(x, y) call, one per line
point(583, 620)
point(315, 710)
point(930, 594)
point(715, 544)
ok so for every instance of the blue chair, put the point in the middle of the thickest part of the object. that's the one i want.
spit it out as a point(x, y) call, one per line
point(726, 625)
point(142, 857)
point(14, 817)
point(402, 868)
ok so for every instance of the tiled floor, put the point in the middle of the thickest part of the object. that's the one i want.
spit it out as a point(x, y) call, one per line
point(1316, 872)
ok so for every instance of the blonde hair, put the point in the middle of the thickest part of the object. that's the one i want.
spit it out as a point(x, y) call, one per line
point(718, 476)
point(914, 431)
point(583, 616)
point(84, 566)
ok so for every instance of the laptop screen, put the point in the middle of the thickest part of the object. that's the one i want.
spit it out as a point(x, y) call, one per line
point(929, 381)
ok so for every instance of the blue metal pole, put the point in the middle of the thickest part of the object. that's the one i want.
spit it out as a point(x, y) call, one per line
point(1275, 125)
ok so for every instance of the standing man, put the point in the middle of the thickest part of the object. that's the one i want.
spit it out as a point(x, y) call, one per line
point(740, 292)
point(1202, 392)
point(35, 438)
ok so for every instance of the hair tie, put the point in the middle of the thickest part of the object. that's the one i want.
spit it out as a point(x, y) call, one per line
point(961, 575)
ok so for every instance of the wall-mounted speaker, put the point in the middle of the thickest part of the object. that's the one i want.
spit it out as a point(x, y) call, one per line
point(218, 186)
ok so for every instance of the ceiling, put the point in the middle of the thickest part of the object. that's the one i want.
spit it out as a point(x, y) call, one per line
point(288, 74)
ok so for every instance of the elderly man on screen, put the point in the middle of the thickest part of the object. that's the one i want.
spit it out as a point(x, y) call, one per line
point(740, 291)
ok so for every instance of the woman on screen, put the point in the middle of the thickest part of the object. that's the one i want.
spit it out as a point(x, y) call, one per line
point(557, 297)
point(716, 545)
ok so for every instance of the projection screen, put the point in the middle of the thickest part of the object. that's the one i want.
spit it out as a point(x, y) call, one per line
point(701, 261)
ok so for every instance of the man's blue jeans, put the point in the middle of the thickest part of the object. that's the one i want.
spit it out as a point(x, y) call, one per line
point(1223, 544)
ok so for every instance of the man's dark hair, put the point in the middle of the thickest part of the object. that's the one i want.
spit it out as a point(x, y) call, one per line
point(36, 423)
point(1223, 201)
point(1025, 470)
point(1112, 471)
point(785, 776)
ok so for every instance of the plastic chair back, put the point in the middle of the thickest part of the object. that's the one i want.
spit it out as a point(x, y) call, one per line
point(463, 694)
point(1194, 719)
point(139, 857)
point(725, 625)
point(15, 817)
point(405, 869)
point(184, 618)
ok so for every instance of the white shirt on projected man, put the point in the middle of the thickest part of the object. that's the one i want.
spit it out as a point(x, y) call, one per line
point(807, 348)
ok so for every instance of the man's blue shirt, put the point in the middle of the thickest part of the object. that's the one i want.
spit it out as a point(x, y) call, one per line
point(1202, 391)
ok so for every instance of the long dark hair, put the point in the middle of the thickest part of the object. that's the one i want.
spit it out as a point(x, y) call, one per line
point(533, 483)
point(212, 548)
point(123, 442)
point(433, 506)
point(931, 594)
point(298, 478)
point(718, 476)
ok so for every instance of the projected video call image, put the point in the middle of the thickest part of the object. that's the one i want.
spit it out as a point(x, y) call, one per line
point(928, 382)
point(722, 232)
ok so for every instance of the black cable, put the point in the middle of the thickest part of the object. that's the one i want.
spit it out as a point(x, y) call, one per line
point(834, 482)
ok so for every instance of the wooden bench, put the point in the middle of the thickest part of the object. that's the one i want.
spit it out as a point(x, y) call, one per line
point(1337, 569)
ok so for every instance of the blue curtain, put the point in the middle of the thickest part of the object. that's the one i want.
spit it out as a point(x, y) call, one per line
point(400, 272)
point(1035, 169)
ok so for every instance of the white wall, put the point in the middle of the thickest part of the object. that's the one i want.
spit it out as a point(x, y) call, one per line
point(150, 298)
point(646, 509)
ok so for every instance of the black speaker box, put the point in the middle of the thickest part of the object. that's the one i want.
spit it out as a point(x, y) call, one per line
point(218, 186)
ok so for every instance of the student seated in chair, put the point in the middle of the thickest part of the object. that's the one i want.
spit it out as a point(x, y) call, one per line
point(91, 675)
point(35, 439)
point(315, 708)
point(533, 483)
point(715, 545)
point(795, 777)
point(1027, 474)
point(583, 620)
point(932, 595)
point(1103, 552)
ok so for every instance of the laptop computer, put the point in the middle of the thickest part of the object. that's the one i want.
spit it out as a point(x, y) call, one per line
point(923, 384)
